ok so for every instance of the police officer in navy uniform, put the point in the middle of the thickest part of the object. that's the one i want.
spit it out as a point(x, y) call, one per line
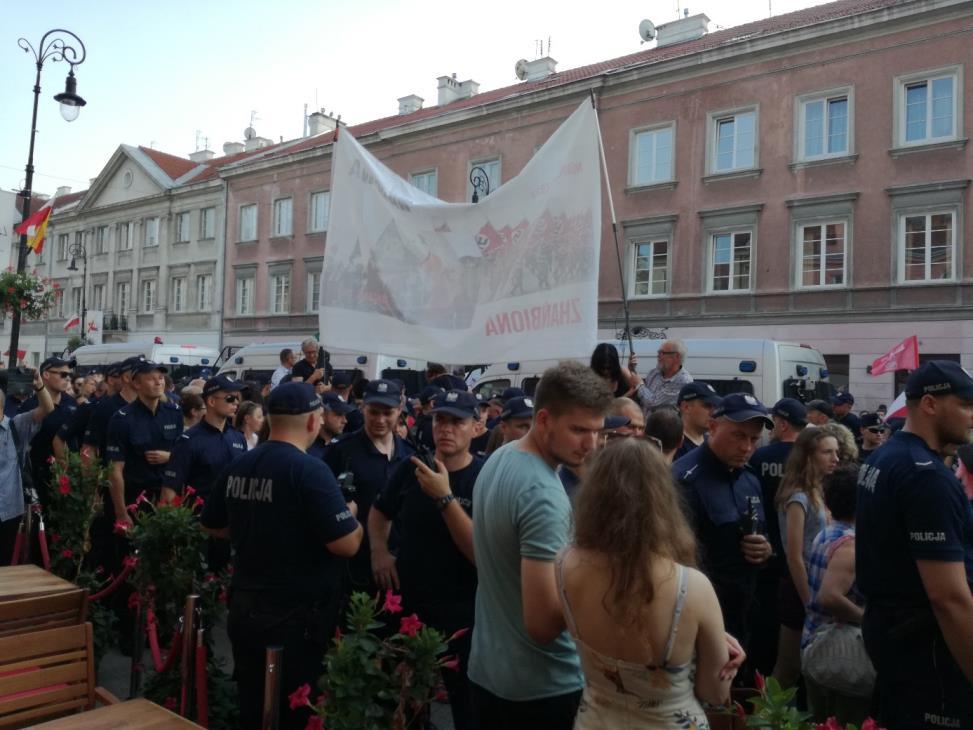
point(366, 459)
point(725, 504)
point(336, 413)
point(291, 529)
point(914, 558)
point(421, 433)
point(71, 433)
point(119, 379)
point(695, 404)
point(841, 404)
point(432, 512)
point(342, 383)
point(872, 434)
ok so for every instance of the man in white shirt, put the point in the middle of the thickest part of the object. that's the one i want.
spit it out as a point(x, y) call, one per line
point(287, 360)
point(661, 387)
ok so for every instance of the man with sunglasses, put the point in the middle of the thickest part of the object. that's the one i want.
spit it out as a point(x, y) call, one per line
point(872, 434)
point(661, 387)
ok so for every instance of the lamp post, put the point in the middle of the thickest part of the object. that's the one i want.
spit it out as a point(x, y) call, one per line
point(480, 182)
point(55, 46)
point(77, 250)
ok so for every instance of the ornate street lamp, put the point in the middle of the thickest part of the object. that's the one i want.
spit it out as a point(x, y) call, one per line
point(480, 182)
point(76, 251)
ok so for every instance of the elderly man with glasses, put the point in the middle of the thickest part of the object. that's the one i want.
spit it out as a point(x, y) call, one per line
point(307, 369)
point(661, 387)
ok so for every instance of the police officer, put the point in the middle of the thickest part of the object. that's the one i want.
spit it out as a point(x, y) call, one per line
point(119, 378)
point(695, 403)
point(290, 527)
point(342, 383)
point(367, 458)
point(790, 418)
point(841, 404)
point(336, 412)
point(914, 558)
point(421, 433)
point(432, 512)
point(724, 503)
point(871, 434)
point(70, 434)
point(819, 412)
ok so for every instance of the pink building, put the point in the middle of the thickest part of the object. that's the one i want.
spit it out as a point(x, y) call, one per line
point(803, 178)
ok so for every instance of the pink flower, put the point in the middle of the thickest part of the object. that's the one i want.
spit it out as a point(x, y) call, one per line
point(222, 598)
point(410, 625)
point(177, 501)
point(441, 695)
point(315, 722)
point(199, 502)
point(758, 679)
point(141, 498)
point(870, 724)
point(67, 553)
point(451, 664)
point(121, 527)
point(130, 561)
point(170, 703)
point(299, 697)
point(458, 634)
point(831, 724)
point(50, 459)
point(738, 708)
point(64, 484)
point(393, 603)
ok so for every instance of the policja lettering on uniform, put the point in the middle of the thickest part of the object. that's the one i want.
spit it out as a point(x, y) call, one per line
point(253, 489)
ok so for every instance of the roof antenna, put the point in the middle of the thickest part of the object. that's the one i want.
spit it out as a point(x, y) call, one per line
point(549, 46)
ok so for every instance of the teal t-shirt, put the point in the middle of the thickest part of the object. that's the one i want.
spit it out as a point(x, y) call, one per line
point(521, 511)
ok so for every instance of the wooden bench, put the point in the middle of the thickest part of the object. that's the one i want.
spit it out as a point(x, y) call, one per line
point(43, 612)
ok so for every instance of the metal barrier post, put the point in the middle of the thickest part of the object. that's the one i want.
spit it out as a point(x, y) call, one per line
point(188, 664)
point(272, 673)
point(138, 648)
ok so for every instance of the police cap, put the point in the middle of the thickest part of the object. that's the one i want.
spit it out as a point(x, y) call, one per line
point(292, 399)
point(698, 390)
point(429, 392)
point(221, 382)
point(821, 406)
point(383, 392)
point(147, 366)
point(842, 398)
point(939, 377)
point(791, 410)
point(55, 362)
point(334, 403)
point(740, 407)
point(871, 420)
point(459, 403)
point(520, 407)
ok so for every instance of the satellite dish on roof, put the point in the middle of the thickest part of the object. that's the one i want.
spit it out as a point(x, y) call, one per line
point(647, 30)
point(249, 133)
point(520, 68)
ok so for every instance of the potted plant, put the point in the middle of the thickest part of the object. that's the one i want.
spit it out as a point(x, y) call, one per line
point(26, 292)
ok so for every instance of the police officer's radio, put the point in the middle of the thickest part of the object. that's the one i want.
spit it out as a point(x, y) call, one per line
point(750, 523)
point(426, 456)
point(346, 481)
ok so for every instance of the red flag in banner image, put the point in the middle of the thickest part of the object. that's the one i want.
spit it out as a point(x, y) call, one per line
point(36, 227)
point(72, 322)
point(904, 356)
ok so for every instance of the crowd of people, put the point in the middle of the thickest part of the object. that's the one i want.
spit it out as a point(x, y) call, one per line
point(624, 549)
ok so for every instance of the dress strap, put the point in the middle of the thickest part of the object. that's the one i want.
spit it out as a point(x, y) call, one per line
point(682, 580)
point(568, 616)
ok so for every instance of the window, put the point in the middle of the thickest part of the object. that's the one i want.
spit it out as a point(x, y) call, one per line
point(182, 227)
point(425, 181)
point(123, 294)
point(151, 232)
point(651, 156)
point(59, 304)
point(178, 293)
point(734, 141)
point(207, 223)
point(926, 243)
point(204, 292)
point(313, 291)
point(62, 247)
point(248, 223)
point(283, 210)
point(320, 203)
point(280, 293)
point(147, 301)
point(76, 300)
point(492, 170)
point(824, 126)
point(244, 295)
point(124, 236)
point(822, 254)
point(98, 296)
point(651, 268)
point(928, 107)
point(101, 239)
point(730, 261)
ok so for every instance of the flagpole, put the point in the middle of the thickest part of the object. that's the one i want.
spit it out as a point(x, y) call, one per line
point(611, 208)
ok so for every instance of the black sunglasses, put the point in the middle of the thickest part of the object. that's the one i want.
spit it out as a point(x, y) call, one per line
point(232, 398)
point(64, 374)
point(875, 429)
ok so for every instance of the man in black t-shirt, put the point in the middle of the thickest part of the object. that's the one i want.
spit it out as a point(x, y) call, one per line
point(432, 512)
point(291, 529)
point(56, 374)
point(307, 369)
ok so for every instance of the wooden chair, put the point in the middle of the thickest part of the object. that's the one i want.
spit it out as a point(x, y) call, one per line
point(43, 612)
point(47, 674)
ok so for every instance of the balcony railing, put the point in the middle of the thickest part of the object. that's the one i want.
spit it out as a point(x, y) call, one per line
point(115, 322)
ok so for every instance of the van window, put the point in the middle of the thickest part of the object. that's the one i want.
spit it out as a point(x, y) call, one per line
point(492, 388)
point(725, 387)
point(413, 379)
point(530, 385)
point(257, 374)
point(796, 388)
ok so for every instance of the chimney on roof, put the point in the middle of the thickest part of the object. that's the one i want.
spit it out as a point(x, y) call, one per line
point(410, 103)
point(252, 141)
point(539, 68)
point(202, 155)
point(233, 148)
point(320, 122)
point(451, 90)
point(685, 29)
point(63, 190)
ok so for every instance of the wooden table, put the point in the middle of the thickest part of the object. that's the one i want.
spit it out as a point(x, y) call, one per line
point(132, 715)
point(29, 581)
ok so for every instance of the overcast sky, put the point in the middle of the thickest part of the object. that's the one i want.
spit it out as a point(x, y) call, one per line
point(158, 72)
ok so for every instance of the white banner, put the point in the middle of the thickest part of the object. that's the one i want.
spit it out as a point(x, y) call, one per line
point(94, 323)
point(513, 277)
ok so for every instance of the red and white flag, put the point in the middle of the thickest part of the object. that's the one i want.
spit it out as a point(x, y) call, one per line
point(904, 356)
point(72, 322)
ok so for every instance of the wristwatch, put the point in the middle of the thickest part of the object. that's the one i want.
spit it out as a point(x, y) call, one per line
point(443, 502)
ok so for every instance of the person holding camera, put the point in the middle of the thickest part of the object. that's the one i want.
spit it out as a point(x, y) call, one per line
point(311, 369)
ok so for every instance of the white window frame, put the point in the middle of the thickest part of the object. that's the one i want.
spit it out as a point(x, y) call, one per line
point(283, 217)
point(59, 307)
point(314, 225)
point(125, 236)
point(800, 126)
point(633, 154)
point(313, 291)
point(123, 296)
point(424, 176)
point(207, 223)
point(150, 240)
point(712, 136)
point(204, 292)
point(183, 221)
point(76, 300)
point(62, 246)
point(634, 243)
point(97, 296)
point(823, 224)
point(178, 286)
point(283, 304)
point(245, 209)
point(148, 289)
point(901, 83)
point(484, 163)
point(244, 295)
point(928, 213)
point(101, 239)
point(711, 260)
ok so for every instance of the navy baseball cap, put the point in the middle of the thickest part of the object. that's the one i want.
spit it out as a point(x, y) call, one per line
point(341, 380)
point(895, 423)
point(221, 382)
point(54, 362)
point(383, 392)
point(429, 392)
point(509, 393)
point(521, 407)
point(939, 377)
point(113, 370)
point(791, 410)
point(613, 422)
point(871, 420)
point(843, 398)
point(821, 405)
point(459, 403)
point(740, 407)
point(147, 366)
point(292, 399)
point(128, 364)
point(334, 403)
point(698, 390)
point(449, 382)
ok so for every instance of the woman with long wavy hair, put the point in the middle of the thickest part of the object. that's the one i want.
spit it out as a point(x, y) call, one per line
point(802, 515)
point(647, 624)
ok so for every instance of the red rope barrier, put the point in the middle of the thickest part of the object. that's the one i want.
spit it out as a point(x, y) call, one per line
point(113, 586)
point(42, 539)
point(19, 542)
point(151, 628)
point(202, 699)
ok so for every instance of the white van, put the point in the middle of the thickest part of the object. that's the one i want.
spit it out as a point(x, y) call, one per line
point(182, 360)
point(767, 369)
point(261, 359)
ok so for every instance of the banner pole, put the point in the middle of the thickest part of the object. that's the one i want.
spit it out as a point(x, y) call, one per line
point(611, 208)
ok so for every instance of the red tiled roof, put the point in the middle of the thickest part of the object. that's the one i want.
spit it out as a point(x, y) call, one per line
point(173, 166)
point(64, 200)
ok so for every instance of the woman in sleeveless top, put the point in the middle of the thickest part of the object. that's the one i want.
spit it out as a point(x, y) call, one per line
point(647, 624)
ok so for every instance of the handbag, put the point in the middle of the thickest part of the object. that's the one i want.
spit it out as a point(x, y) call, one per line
point(836, 659)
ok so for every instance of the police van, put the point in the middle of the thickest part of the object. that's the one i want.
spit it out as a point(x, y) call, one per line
point(183, 361)
point(259, 360)
point(767, 369)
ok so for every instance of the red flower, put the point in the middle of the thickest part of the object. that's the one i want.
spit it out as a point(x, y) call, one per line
point(322, 698)
point(54, 537)
point(50, 459)
point(451, 664)
point(177, 501)
point(410, 625)
point(134, 601)
point(738, 708)
point(393, 603)
point(458, 634)
point(337, 633)
point(441, 695)
point(121, 527)
point(132, 508)
point(141, 498)
point(199, 502)
point(831, 724)
point(870, 724)
point(170, 703)
point(314, 722)
point(222, 598)
point(67, 553)
point(130, 561)
point(758, 679)
point(64, 484)
point(189, 491)
point(299, 697)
